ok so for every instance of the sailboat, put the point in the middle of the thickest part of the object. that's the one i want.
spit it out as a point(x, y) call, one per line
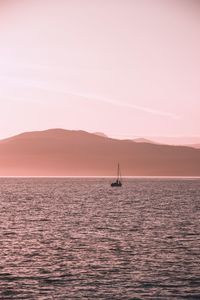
point(118, 182)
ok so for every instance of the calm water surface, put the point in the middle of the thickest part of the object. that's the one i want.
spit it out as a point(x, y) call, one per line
point(82, 239)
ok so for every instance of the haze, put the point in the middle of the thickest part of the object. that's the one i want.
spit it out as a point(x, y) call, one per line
point(121, 67)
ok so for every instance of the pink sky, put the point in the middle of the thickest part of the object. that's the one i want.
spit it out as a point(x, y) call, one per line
point(124, 67)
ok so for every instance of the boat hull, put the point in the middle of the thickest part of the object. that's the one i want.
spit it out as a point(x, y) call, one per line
point(116, 184)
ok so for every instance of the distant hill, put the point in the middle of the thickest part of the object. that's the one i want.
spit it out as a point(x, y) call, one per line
point(66, 152)
point(179, 140)
point(197, 146)
point(142, 140)
point(100, 134)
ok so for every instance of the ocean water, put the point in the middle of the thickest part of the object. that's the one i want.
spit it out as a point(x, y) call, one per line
point(63, 238)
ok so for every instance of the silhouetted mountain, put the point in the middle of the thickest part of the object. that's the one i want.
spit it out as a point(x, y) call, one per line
point(177, 141)
point(197, 146)
point(64, 152)
point(100, 134)
point(142, 140)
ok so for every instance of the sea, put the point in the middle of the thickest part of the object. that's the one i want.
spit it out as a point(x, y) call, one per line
point(78, 238)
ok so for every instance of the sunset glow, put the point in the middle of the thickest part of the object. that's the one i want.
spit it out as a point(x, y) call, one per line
point(127, 68)
point(99, 149)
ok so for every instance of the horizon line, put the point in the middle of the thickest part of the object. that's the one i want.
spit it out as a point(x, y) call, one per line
point(105, 177)
point(112, 135)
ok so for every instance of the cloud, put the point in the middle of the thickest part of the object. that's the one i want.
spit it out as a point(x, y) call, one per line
point(54, 88)
point(127, 105)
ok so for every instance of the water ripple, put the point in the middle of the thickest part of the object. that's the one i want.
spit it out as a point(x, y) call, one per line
point(81, 239)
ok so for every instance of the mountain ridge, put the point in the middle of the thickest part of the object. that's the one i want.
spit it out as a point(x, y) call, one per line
point(61, 152)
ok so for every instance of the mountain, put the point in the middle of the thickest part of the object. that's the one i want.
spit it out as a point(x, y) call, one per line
point(178, 141)
point(64, 152)
point(197, 146)
point(100, 134)
point(142, 140)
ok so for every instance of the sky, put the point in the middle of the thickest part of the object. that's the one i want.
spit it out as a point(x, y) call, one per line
point(122, 67)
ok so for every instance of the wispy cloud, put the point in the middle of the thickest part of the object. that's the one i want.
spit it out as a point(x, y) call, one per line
point(57, 88)
point(127, 105)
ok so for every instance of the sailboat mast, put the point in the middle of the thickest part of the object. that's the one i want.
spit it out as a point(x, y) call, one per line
point(118, 180)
